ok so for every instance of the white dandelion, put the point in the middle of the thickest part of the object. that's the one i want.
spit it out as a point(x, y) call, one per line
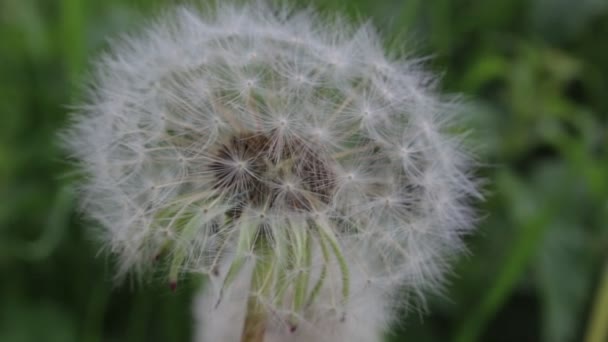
point(309, 175)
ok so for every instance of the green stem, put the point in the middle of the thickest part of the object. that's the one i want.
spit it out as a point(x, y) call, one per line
point(254, 327)
point(598, 324)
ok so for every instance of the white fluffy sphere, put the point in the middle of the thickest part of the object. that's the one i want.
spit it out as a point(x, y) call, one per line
point(215, 138)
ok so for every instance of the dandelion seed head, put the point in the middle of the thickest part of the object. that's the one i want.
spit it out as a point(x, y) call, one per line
point(213, 138)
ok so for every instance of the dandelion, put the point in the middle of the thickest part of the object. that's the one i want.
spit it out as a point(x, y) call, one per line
point(313, 178)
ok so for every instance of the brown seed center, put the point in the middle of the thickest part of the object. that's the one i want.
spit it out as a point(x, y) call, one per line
point(257, 171)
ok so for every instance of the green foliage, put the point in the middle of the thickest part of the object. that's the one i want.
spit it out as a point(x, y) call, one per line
point(534, 75)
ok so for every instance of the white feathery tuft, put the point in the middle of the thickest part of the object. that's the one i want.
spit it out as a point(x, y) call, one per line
point(218, 138)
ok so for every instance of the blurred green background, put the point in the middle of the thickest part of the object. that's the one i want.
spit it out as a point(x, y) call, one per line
point(535, 73)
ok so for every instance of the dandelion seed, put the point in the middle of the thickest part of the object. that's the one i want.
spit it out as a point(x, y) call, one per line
point(282, 155)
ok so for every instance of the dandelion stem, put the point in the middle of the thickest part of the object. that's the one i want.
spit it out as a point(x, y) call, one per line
point(598, 328)
point(255, 322)
point(254, 327)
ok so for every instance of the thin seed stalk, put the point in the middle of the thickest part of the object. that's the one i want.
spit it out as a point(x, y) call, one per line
point(256, 316)
point(254, 327)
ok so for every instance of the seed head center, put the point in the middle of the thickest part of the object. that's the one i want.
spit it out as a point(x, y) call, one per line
point(255, 171)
